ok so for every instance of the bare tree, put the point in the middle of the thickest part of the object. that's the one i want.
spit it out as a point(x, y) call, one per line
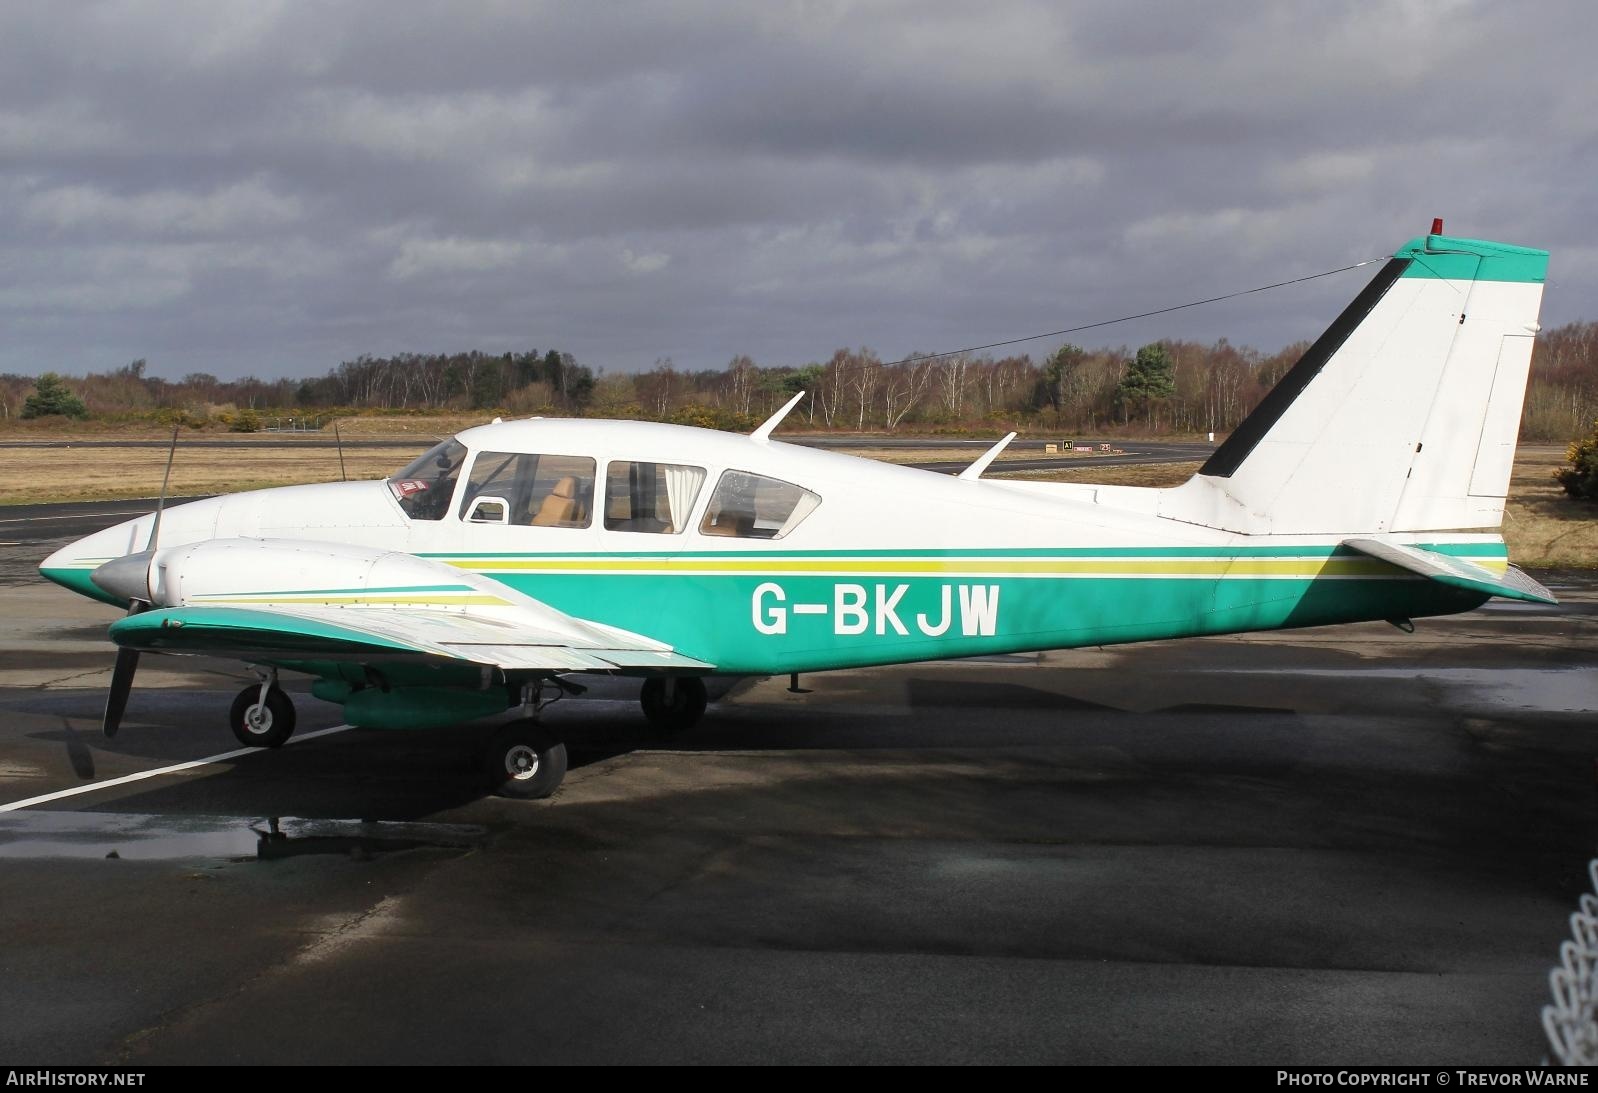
point(952, 378)
point(743, 379)
point(903, 387)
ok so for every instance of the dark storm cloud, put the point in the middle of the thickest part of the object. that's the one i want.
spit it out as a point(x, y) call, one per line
point(276, 187)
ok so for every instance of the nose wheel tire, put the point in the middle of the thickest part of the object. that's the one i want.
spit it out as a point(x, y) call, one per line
point(674, 708)
point(262, 725)
point(525, 761)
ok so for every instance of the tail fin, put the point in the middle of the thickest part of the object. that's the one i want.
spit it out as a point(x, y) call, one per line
point(1403, 414)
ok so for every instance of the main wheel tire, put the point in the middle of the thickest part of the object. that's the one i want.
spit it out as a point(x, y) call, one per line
point(262, 726)
point(525, 761)
point(684, 709)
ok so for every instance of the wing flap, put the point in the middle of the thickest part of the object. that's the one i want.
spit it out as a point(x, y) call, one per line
point(1454, 572)
point(573, 660)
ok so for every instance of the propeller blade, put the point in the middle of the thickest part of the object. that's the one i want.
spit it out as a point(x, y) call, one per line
point(121, 685)
point(128, 577)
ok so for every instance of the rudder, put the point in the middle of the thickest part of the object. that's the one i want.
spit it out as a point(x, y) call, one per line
point(1401, 417)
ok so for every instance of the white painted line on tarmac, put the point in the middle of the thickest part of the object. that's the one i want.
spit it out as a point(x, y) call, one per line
point(158, 771)
point(74, 516)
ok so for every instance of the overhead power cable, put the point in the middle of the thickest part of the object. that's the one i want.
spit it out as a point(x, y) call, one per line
point(1139, 315)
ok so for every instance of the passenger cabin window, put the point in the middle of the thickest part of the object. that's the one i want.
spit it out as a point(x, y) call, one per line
point(752, 506)
point(554, 491)
point(655, 498)
point(424, 486)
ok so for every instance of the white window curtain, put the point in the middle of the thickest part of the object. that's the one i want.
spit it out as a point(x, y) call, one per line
point(682, 488)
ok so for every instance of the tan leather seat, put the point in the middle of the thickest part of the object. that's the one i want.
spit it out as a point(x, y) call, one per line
point(736, 524)
point(560, 508)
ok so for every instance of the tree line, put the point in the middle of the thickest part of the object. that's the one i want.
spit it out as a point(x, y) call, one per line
point(1168, 386)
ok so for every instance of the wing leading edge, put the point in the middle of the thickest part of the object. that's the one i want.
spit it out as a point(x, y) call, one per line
point(377, 635)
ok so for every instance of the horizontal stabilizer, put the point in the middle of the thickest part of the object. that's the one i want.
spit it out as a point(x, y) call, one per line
point(1455, 572)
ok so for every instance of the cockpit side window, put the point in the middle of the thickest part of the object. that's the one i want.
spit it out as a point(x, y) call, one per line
point(424, 486)
point(529, 490)
point(562, 493)
point(654, 498)
point(752, 506)
point(502, 477)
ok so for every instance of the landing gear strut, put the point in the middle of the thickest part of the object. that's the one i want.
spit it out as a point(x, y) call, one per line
point(673, 703)
point(525, 760)
point(262, 715)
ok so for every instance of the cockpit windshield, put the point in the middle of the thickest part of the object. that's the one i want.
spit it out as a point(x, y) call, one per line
point(424, 486)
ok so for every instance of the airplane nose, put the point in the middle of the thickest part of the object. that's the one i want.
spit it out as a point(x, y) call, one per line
point(127, 577)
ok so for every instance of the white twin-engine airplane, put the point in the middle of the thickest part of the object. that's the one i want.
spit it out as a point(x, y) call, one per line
point(1367, 485)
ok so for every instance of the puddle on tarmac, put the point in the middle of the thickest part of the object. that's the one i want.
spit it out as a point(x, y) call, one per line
point(134, 837)
point(1546, 690)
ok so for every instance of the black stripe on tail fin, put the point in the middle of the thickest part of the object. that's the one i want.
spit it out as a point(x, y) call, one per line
point(1236, 448)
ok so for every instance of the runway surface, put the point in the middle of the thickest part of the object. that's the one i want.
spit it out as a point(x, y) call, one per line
point(1326, 846)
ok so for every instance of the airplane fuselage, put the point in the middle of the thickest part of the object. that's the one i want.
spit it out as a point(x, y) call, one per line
point(892, 565)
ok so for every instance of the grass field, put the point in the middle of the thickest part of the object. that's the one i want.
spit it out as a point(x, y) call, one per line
point(36, 473)
point(1543, 527)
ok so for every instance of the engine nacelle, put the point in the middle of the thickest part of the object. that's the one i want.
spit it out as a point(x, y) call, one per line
point(241, 571)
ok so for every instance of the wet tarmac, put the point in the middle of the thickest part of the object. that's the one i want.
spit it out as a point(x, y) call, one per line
point(1327, 846)
point(55, 834)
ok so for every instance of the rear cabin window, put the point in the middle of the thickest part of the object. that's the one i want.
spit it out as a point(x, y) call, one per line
point(423, 488)
point(528, 490)
point(752, 506)
point(654, 498)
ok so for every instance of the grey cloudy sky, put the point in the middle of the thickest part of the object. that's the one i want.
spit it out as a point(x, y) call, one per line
point(274, 187)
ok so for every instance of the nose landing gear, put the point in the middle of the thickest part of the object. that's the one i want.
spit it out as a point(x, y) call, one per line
point(262, 715)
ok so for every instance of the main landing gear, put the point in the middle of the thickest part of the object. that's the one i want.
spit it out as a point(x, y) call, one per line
point(262, 715)
point(523, 759)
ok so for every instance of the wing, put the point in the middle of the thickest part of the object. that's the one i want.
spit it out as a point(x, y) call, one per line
point(372, 635)
point(273, 601)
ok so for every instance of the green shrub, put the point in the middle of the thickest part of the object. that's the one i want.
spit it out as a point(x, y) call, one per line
point(1580, 479)
point(52, 397)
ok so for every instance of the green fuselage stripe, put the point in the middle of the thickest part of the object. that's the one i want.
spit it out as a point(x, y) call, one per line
point(762, 612)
